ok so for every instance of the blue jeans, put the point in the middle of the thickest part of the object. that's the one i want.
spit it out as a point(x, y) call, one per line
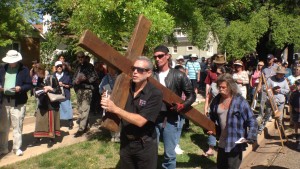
point(269, 114)
point(263, 99)
point(181, 120)
point(211, 140)
point(169, 135)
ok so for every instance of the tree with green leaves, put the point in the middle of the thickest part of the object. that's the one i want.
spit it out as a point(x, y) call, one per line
point(114, 21)
point(240, 26)
point(15, 19)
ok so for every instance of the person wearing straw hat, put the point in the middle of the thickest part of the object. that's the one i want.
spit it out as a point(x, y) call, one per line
point(241, 77)
point(219, 61)
point(268, 71)
point(15, 81)
point(280, 88)
point(211, 78)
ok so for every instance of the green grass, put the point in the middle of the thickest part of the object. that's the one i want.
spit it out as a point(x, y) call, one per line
point(99, 152)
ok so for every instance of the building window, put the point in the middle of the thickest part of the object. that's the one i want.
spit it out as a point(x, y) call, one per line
point(189, 48)
point(170, 49)
point(16, 46)
point(175, 50)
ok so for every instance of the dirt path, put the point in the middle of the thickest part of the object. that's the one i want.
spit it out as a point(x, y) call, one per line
point(28, 127)
point(270, 153)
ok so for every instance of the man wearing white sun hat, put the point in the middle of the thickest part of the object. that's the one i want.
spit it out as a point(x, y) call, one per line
point(15, 81)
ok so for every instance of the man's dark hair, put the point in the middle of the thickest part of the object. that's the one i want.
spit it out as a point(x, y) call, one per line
point(161, 48)
point(80, 54)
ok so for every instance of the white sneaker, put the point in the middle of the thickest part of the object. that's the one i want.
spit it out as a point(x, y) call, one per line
point(18, 152)
point(178, 150)
point(117, 139)
point(270, 119)
point(112, 139)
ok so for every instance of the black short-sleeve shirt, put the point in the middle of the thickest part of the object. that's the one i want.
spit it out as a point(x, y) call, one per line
point(147, 104)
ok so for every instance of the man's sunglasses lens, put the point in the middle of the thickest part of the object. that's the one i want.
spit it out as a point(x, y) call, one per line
point(159, 56)
point(139, 69)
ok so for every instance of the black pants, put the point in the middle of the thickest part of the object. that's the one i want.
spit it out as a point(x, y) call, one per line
point(231, 160)
point(139, 154)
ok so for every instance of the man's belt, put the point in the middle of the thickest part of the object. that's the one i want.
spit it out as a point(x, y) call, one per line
point(136, 138)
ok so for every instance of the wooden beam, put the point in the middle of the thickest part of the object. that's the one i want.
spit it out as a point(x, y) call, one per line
point(138, 38)
point(98, 48)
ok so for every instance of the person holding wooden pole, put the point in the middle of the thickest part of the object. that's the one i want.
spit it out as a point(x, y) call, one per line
point(268, 72)
point(167, 123)
point(138, 148)
point(280, 88)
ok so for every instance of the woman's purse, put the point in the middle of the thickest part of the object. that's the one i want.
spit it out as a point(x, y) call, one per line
point(56, 97)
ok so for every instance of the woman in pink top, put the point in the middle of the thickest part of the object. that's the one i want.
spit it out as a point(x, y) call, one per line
point(254, 79)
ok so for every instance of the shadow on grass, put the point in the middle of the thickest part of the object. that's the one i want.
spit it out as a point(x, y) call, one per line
point(263, 167)
point(194, 161)
point(101, 135)
point(200, 140)
point(28, 139)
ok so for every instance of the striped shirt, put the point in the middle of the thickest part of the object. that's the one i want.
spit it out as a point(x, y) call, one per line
point(193, 68)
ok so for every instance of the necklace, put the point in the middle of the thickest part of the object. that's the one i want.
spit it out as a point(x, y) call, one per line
point(225, 102)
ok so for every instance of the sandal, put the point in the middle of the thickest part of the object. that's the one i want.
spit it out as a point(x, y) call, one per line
point(208, 154)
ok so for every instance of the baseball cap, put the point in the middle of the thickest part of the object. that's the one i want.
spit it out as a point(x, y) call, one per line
point(270, 56)
point(194, 55)
point(58, 63)
point(179, 57)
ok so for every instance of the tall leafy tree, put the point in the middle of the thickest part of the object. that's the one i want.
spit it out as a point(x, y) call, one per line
point(113, 21)
point(240, 26)
point(15, 19)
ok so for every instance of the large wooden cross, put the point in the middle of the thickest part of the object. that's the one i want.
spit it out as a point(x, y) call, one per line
point(97, 47)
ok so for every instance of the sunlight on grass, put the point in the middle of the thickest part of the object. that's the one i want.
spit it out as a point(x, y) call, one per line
point(99, 152)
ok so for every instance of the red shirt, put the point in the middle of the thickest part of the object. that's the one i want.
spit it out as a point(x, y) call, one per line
point(211, 77)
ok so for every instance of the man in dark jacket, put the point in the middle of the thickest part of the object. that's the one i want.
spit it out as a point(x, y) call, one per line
point(15, 81)
point(84, 81)
point(167, 121)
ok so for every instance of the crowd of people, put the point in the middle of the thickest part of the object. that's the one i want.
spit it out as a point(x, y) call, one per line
point(146, 119)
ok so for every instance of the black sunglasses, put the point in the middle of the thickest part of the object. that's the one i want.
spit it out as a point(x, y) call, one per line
point(159, 56)
point(139, 69)
point(59, 66)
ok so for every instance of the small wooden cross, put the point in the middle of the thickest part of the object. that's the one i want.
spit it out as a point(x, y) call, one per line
point(97, 47)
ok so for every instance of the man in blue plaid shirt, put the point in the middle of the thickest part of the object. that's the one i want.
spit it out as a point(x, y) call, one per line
point(235, 123)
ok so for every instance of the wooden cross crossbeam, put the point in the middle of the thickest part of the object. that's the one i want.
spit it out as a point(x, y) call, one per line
point(97, 47)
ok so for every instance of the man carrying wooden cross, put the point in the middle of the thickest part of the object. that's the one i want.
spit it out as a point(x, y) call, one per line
point(138, 137)
point(167, 121)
